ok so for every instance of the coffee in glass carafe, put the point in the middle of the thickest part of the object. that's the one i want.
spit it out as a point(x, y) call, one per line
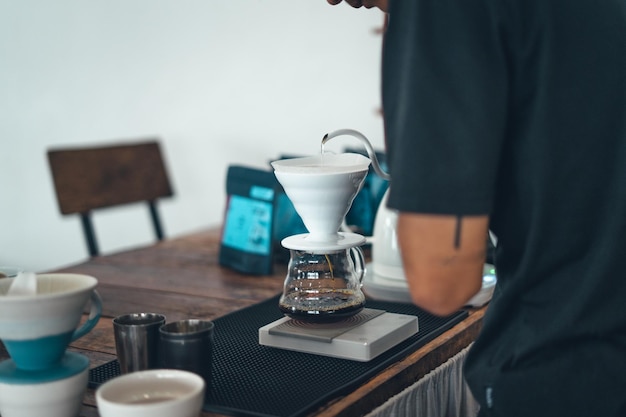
point(323, 287)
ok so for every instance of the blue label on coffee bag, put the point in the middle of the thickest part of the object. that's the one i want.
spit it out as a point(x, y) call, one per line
point(248, 225)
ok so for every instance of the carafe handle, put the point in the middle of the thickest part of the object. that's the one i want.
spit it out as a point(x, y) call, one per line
point(359, 263)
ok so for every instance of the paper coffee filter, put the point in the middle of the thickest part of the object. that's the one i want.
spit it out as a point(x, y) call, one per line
point(323, 163)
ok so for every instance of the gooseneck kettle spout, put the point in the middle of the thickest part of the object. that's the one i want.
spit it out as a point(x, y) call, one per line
point(368, 147)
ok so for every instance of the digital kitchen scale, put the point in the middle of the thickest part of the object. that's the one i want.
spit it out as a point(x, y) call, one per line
point(361, 337)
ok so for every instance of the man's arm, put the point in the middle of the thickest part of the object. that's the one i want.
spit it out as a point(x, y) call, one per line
point(443, 258)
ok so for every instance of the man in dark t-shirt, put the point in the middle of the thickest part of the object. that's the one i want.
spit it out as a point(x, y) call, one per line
point(510, 115)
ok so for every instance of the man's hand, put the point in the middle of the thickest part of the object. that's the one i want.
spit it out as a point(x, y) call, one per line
point(381, 4)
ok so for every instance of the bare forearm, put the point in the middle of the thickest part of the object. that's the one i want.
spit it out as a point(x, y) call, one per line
point(443, 258)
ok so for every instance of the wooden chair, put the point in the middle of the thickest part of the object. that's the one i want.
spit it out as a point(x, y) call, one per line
point(90, 178)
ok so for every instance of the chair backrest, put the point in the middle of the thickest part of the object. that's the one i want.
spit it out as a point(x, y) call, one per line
point(90, 178)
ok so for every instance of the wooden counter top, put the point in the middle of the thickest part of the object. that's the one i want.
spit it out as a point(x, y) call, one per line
point(182, 278)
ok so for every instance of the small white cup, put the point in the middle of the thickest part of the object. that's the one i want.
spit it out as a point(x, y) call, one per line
point(55, 392)
point(152, 393)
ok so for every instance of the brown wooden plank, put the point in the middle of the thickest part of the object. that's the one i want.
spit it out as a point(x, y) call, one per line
point(175, 306)
point(88, 178)
point(98, 341)
point(187, 281)
point(164, 268)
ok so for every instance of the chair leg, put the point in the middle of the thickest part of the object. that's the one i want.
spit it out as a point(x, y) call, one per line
point(156, 221)
point(90, 236)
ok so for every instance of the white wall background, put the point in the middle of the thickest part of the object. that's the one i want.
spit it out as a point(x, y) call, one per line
point(219, 81)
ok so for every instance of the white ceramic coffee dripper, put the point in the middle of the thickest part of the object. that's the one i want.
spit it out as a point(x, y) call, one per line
point(37, 328)
point(322, 188)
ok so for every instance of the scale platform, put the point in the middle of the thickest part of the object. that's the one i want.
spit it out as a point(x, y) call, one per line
point(361, 337)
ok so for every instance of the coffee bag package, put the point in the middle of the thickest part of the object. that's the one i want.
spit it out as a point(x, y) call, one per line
point(247, 243)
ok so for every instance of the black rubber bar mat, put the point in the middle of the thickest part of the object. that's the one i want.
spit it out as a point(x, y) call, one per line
point(252, 380)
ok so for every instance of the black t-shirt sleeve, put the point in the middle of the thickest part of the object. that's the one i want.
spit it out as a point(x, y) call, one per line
point(445, 103)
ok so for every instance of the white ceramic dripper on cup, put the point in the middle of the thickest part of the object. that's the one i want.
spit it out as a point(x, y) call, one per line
point(37, 328)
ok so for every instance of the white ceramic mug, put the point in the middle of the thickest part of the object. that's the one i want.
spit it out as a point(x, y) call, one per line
point(152, 393)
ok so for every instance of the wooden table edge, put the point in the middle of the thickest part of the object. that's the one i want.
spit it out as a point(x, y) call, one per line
point(407, 371)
